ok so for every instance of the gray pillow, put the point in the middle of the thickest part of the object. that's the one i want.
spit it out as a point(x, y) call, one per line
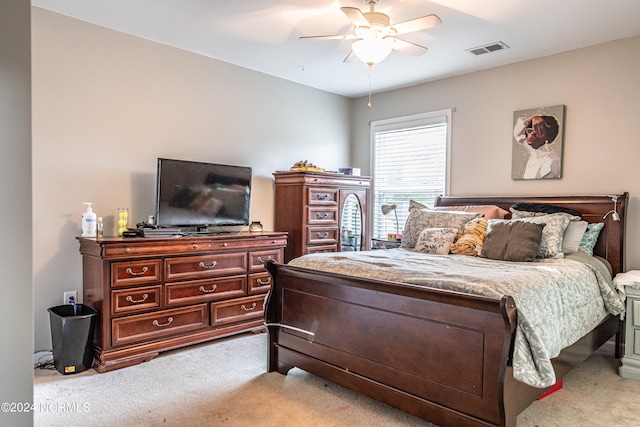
point(552, 234)
point(512, 241)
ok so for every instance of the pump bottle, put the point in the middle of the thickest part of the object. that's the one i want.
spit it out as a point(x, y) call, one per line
point(88, 222)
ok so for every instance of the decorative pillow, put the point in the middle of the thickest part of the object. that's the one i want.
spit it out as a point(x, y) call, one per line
point(435, 240)
point(419, 219)
point(413, 205)
point(573, 236)
point(524, 210)
point(552, 234)
point(489, 211)
point(590, 237)
point(470, 243)
point(512, 240)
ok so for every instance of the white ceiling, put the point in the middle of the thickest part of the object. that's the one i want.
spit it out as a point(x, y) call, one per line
point(263, 35)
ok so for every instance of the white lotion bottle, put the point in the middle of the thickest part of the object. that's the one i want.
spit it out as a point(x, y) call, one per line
point(88, 222)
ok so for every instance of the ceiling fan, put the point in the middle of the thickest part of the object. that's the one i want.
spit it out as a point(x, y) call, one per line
point(375, 37)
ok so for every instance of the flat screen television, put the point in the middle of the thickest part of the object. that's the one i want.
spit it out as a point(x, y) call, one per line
point(198, 195)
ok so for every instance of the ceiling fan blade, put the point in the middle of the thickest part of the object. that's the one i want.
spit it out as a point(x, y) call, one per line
point(351, 57)
point(356, 16)
point(417, 24)
point(408, 47)
point(331, 37)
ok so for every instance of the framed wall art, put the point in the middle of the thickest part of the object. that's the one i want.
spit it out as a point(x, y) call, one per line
point(538, 140)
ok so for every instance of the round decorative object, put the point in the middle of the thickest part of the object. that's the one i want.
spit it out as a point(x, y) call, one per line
point(255, 227)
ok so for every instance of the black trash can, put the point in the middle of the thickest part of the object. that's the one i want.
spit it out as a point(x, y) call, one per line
point(72, 329)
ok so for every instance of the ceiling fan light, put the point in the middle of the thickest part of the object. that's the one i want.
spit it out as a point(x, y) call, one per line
point(372, 50)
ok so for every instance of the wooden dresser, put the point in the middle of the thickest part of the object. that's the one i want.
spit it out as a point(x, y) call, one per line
point(157, 294)
point(317, 208)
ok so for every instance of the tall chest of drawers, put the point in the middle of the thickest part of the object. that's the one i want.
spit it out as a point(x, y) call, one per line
point(317, 208)
point(157, 294)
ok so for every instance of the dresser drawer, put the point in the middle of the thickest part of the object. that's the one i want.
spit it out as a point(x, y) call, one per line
point(238, 310)
point(635, 312)
point(636, 342)
point(321, 235)
point(321, 215)
point(322, 249)
point(258, 258)
point(144, 327)
point(259, 283)
point(136, 299)
point(224, 264)
point(129, 273)
point(322, 196)
point(195, 291)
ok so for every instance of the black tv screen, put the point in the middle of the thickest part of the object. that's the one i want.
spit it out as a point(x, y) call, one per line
point(197, 194)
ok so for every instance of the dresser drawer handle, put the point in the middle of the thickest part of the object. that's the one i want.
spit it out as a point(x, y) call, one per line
point(138, 301)
point(324, 235)
point(208, 291)
point(253, 306)
point(207, 267)
point(127, 250)
point(195, 246)
point(263, 283)
point(262, 261)
point(322, 215)
point(130, 272)
point(162, 325)
point(322, 196)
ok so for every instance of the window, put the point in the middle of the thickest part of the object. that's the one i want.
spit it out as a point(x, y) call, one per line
point(410, 160)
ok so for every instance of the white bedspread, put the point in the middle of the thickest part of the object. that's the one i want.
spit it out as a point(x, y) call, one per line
point(558, 300)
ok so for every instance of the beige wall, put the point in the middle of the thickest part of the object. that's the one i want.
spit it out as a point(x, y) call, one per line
point(599, 86)
point(16, 312)
point(107, 105)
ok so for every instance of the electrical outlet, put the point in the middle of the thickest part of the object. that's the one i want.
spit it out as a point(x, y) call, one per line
point(70, 294)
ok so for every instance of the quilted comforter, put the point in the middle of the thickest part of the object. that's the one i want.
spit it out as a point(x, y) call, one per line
point(558, 300)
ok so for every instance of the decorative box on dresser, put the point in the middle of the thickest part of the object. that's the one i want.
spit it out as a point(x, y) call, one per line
point(315, 208)
point(157, 294)
point(630, 367)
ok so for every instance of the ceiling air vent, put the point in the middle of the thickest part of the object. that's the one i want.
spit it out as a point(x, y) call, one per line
point(492, 47)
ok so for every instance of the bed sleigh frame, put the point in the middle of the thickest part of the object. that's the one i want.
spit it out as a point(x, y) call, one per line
point(440, 355)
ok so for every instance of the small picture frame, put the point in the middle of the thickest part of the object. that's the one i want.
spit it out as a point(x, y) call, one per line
point(537, 143)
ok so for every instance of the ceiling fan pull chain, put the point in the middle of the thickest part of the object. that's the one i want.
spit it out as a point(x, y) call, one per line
point(369, 105)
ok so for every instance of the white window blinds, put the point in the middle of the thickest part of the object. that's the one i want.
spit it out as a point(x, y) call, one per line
point(410, 161)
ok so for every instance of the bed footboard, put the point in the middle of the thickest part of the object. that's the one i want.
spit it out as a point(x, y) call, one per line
point(439, 355)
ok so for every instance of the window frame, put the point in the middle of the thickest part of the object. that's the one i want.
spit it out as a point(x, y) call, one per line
point(399, 123)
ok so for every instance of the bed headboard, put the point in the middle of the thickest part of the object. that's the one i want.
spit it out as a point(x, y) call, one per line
point(610, 243)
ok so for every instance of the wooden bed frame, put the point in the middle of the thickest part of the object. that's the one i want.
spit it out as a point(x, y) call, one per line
point(440, 355)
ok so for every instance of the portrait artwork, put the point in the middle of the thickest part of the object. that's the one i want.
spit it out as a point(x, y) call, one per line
point(537, 143)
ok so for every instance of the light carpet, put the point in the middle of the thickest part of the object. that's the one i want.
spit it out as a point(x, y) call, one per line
point(225, 383)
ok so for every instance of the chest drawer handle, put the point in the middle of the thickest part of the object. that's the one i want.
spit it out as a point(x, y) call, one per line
point(208, 291)
point(207, 267)
point(322, 235)
point(130, 272)
point(262, 261)
point(138, 301)
point(323, 196)
point(322, 215)
point(162, 325)
point(253, 306)
point(261, 282)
